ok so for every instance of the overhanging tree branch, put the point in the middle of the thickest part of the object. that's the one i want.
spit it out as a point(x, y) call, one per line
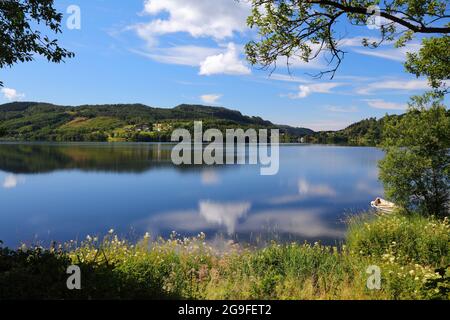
point(302, 29)
point(422, 28)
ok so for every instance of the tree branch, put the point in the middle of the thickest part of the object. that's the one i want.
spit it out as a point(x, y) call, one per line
point(362, 10)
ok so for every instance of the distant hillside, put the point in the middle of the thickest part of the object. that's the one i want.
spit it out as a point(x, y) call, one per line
point(367, 132)
point(121, 122)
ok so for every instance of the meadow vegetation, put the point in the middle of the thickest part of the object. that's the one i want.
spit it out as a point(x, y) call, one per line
point(412, 252)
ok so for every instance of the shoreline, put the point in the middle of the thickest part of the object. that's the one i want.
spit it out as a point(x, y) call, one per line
point(190, 269)
point(50, 142)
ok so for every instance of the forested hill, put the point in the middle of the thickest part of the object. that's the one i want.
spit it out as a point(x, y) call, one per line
point(367, 132)
point(121, 122)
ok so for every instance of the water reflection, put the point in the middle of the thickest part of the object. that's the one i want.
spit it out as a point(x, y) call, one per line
point(210, 177)
point(66, 191)
point(11, 181)
point(241, 224)
point(303, 224)
point(223, 214)
point(306, 189)
point(42, 158)
point(107, 157)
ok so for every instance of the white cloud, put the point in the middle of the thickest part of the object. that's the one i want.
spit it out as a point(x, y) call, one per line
point(181, 55)
point(226, 214)
point(306, 90)
point(385, 50)
point(402, 85)
point(287, 78)
point(381, 104)
point(218, 19)
point(356, 41)
point(11, 94)
point(395, 54)
point(210, 98)
point(294, 62)
point(320, 57)
point(339, 109)
point(210, 60)
point(224, 63)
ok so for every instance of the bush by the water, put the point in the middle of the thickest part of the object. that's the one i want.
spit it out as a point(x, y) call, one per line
point(413, 254)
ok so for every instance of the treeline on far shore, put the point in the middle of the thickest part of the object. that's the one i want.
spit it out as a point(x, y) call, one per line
point(32, 121)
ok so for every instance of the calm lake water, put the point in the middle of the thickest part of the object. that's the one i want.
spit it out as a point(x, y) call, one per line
point(67, 191)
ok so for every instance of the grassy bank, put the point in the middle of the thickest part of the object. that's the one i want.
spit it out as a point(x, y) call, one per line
point(413, 254)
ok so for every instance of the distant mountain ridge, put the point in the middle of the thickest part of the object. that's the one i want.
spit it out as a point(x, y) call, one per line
point(120, 122)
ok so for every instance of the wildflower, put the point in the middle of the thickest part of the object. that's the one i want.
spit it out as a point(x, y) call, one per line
point(111, 231)
point(147, 235)
point(201, 236)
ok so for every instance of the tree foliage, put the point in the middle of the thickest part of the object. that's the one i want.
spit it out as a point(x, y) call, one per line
point(367, 132)
point(305, 28)
point(432, 61)
point(22, 23)
point(416, 169)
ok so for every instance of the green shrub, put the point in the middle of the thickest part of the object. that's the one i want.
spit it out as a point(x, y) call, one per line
point(408, 239)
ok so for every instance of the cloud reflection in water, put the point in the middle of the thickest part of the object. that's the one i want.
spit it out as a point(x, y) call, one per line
point(224, 214)
point(236, 218)
point(11, 181)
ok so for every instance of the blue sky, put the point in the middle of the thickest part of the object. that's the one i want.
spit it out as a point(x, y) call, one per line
point(166, 52)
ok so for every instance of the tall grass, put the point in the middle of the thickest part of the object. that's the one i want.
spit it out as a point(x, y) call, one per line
point(410, 239)
point(413, 254)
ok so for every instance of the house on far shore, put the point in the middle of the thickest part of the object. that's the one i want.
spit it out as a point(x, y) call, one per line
point(142, 127)
point(159, 127)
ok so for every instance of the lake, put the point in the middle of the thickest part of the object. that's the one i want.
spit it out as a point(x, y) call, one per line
point(62, 192)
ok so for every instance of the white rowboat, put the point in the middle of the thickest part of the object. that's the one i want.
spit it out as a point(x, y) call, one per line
point(383, 205)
